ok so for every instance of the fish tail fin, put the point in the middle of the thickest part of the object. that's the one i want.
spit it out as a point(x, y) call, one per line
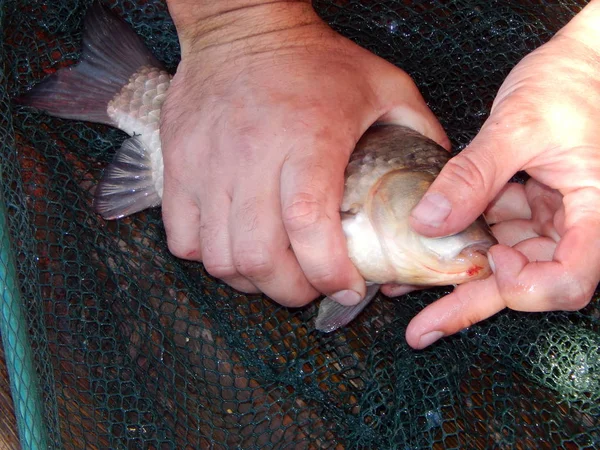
point(128, 184)
point(111, 54)
point(332, 315)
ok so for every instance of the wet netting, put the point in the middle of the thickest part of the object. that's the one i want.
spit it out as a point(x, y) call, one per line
point(114, 343)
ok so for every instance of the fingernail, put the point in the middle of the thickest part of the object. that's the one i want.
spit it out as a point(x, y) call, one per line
point(432, 210)
point(347, 297)
point(429, 338)
point(491, 262)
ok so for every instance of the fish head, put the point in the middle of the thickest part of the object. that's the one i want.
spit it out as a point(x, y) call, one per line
point(416, 259)
point(390, 170)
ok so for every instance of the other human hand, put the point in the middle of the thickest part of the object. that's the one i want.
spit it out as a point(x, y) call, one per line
point(544, 121)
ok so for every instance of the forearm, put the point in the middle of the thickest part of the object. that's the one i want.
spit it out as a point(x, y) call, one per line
point(202, 9)
point(209, 22)
point(585, 26)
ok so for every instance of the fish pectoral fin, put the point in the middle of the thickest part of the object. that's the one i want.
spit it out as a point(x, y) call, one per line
point(332, 315)
point(127, 186)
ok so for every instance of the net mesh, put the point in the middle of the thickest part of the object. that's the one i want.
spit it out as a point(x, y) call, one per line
point(134, 348)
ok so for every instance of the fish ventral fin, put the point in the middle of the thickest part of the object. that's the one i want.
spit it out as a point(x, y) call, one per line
point(111, 54)
point(127, 186)
point(332, 315)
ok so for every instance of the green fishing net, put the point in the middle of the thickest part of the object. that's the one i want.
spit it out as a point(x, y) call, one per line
point(117, 344)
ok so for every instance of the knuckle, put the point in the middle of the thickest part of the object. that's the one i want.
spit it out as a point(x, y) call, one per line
point(325, 278)
point(296, 301)
point(247, 289)
point(470, 173)
point(243, 285)
point(253, 260)
point(304, 211)
point(219, 267)
point(248, 143)
point(183, 250)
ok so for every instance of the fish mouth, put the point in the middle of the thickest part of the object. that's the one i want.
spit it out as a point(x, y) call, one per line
point(476, 255)
point(470, 264)
point(481, 247)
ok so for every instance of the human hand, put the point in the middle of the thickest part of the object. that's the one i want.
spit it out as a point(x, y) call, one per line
point(545, 121)
point(265, 108)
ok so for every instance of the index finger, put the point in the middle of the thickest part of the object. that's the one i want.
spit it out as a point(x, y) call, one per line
point(468, 304)
point(312, 183)
point(521, 282)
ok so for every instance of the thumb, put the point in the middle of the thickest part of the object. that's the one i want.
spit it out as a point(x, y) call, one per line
point(405, 105)
point(468, 183)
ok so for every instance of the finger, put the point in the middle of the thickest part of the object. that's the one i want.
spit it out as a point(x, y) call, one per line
point(396, 290)
point(545, 202)
point(216, 243)
point(468, 183)
point(181, 218)
point(537, 249)
point(311, 192)
point(468, 304)
point(511, 232)
point(551, 288)
point(404, 105)
point(261, 249)
point(511, 203)
point(565, 283)
point(546, 205)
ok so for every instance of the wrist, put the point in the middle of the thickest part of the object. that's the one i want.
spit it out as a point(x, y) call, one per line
point(585, 26)
point(184, 10)
point(205, 23)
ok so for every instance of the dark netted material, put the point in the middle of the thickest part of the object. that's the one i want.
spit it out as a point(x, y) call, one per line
point(135, 349)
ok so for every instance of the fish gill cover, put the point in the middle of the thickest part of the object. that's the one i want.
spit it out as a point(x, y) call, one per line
point(134, 348)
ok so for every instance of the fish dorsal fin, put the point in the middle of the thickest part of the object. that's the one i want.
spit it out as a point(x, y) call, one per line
point(111, 54)
point(128, 184)
point(332, 315)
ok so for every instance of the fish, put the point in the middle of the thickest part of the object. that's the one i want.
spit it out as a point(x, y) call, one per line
point(389, 171)
point(118, 82)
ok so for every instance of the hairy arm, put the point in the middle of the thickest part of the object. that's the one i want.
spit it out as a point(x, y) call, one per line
point(266, 106)
point(203, 23)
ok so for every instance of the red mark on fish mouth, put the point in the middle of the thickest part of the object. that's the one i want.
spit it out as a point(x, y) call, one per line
point(474, 270)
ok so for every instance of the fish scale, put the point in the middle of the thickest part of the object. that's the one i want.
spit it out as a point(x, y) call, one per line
point(374, 157)
point(389, 171)
point(136, 111)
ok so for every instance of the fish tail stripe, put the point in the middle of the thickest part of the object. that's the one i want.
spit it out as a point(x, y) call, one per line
point(111, 54)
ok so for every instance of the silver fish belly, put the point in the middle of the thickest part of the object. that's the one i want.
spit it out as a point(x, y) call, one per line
point(119, 82)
